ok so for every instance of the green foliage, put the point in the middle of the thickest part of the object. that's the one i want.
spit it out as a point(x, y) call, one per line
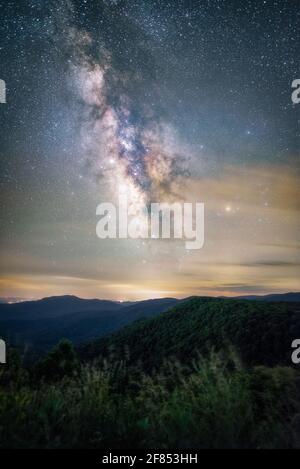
point(60, 362)
point(12, 374)
point(209, 407)
point(261, 332)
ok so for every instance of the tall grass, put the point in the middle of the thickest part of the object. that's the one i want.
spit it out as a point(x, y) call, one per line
point(211, 405)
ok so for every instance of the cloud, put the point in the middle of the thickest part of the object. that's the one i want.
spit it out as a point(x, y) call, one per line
point(270, 263)
point(276, 186)
point(292, 246)
point(243, 288)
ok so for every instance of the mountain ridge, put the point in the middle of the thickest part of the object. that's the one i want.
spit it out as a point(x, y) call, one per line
point(260, 332)
point(38, 325)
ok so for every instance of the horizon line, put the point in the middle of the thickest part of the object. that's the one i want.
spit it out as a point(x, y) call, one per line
point(16, 300)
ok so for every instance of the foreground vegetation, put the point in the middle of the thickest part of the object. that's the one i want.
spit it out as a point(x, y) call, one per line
point(214, 403)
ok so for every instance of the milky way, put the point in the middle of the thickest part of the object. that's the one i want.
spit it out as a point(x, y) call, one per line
point(122, 146)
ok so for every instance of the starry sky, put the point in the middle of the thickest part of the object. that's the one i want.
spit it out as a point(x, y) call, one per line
point(180, 100)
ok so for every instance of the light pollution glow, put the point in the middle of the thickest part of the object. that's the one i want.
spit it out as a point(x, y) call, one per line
point(142, 132)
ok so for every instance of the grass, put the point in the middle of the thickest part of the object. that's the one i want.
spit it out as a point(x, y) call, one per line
point(213, 403)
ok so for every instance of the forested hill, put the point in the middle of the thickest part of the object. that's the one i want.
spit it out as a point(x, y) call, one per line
point(261, 333)
point(142, 388)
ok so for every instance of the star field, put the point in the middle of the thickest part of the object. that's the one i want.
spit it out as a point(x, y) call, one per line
point(178, 99)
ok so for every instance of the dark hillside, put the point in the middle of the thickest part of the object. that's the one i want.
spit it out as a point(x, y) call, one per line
point(261, 332)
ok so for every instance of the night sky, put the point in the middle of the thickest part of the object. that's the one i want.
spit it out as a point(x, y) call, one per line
point(176, 100)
